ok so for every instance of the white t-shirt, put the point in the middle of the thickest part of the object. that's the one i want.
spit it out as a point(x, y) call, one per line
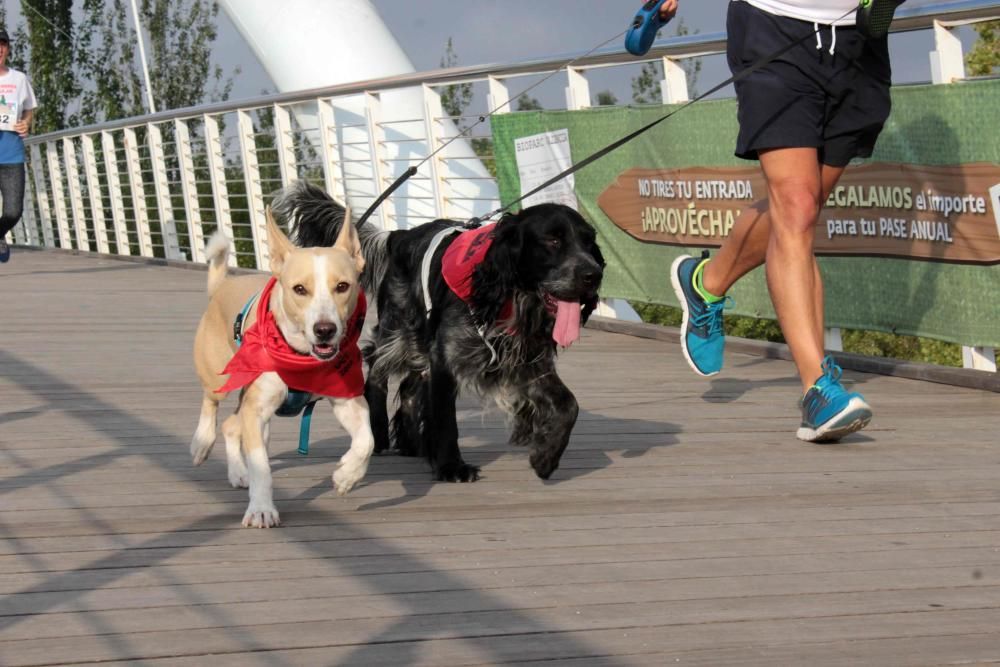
point(16, 97)
point(830, 12)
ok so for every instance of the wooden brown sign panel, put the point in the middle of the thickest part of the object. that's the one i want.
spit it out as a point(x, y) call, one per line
point(949, 213)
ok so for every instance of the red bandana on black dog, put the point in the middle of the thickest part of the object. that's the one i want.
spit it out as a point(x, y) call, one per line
point(264, 350)
point(464, 255)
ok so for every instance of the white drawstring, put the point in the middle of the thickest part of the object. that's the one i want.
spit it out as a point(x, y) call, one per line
point(819, 38)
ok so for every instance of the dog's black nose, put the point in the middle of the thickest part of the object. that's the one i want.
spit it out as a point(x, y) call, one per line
point(591, 278)
point(324, 331)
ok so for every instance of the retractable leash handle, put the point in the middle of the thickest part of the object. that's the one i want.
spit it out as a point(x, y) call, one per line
point(875, 16)
point(645, 25)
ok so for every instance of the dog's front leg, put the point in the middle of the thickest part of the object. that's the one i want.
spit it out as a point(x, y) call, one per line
point(352, 413)
point(441, 432)
point(553, 417)
point(258, 406)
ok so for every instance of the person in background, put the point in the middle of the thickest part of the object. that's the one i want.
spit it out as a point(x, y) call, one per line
point(17, 104)
point(804, 116)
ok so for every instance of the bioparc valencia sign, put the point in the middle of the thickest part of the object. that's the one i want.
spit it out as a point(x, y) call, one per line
point(936, 213)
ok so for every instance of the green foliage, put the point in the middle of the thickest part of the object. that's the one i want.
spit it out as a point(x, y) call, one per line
point(735, 325)
point(984, 58)
point(454, 100)
point(109, 59)
point(528, 103)
point(911, 348)
point(181, 33)
point(92, 67)
point(871, 343)
point(45, 50)
point(606, 98)
point(646, 85)
point(456, 97)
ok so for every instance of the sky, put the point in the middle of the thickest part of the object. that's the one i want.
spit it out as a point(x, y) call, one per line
point(504, 31)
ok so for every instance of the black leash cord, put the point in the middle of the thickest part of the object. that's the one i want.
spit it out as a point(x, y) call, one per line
point(410, 171)
point(482, 119)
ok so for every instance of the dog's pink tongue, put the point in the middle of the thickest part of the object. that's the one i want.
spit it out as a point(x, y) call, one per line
point(567, 328)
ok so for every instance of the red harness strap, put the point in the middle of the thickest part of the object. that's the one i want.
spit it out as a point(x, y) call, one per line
point(462, 257)
point(265, 350)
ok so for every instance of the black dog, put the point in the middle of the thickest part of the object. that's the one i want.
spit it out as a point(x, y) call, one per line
point(528, 279)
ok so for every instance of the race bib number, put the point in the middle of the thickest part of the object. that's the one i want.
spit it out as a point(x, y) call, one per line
point(8, 117)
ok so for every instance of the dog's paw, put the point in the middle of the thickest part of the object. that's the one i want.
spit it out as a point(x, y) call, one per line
point(348, 473)
point(200, 448)
point(544, 465)
point(261, 515)
point(458, 471)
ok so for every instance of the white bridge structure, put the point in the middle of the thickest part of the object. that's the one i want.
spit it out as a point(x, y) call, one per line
point(156, 186)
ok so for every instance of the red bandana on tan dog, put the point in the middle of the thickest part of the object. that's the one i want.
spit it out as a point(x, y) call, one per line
point(264, 350)
point(464, 255)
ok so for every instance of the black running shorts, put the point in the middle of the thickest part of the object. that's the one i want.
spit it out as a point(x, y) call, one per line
point(807, 97)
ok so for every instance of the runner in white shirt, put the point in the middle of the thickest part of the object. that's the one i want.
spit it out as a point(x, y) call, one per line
point(17, 104)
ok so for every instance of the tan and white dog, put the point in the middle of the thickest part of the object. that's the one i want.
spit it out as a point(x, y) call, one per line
point(316, 293)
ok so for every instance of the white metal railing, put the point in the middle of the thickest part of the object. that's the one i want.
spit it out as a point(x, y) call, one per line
point(158, 185)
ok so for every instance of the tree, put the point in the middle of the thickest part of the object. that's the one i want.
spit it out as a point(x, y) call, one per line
point(528, 103)
point(181, 33)
point(47, 57)
point(88, 73)
point(456, 97)
point(646, 85)
point(984, 58)
point(107, 56)
point(606, 98)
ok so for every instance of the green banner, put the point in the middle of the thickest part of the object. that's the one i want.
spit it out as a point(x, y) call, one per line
point(939, 293)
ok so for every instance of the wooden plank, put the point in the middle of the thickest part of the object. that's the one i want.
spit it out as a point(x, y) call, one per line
point(685, 523)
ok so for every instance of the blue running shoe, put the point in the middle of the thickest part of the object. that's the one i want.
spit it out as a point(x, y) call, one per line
point(829, 412)
point(4, 251)
point(702, 339)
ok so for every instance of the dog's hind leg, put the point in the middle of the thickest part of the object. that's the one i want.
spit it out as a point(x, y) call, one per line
point(204, 435)
point(441, 432)
point(353, 416)
point(237, 467)
point(377, 396)
point(407, 425)
point(553, 414)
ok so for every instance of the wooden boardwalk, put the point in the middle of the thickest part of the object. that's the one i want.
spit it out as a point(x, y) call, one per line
point(685, 526)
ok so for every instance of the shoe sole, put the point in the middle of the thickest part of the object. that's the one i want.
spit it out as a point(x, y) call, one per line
point(878, 17)
point(854, 417)
point(682, 299)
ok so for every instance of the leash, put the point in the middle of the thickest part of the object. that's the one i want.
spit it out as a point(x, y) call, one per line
point(296, 401)
point(765, 60)
point(410, 171)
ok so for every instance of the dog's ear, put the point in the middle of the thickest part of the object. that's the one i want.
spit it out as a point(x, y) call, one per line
point(278, 244)
point(495, 279)
point(595, 252)
point(347, 240)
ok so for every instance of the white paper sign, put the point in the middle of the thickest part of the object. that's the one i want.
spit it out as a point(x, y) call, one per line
point(539, 158)
point(8, 116)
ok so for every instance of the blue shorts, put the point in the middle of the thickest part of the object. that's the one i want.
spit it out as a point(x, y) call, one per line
point(807, 97)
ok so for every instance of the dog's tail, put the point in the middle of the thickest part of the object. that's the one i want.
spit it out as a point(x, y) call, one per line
point(217, 256)
point(314, 219)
